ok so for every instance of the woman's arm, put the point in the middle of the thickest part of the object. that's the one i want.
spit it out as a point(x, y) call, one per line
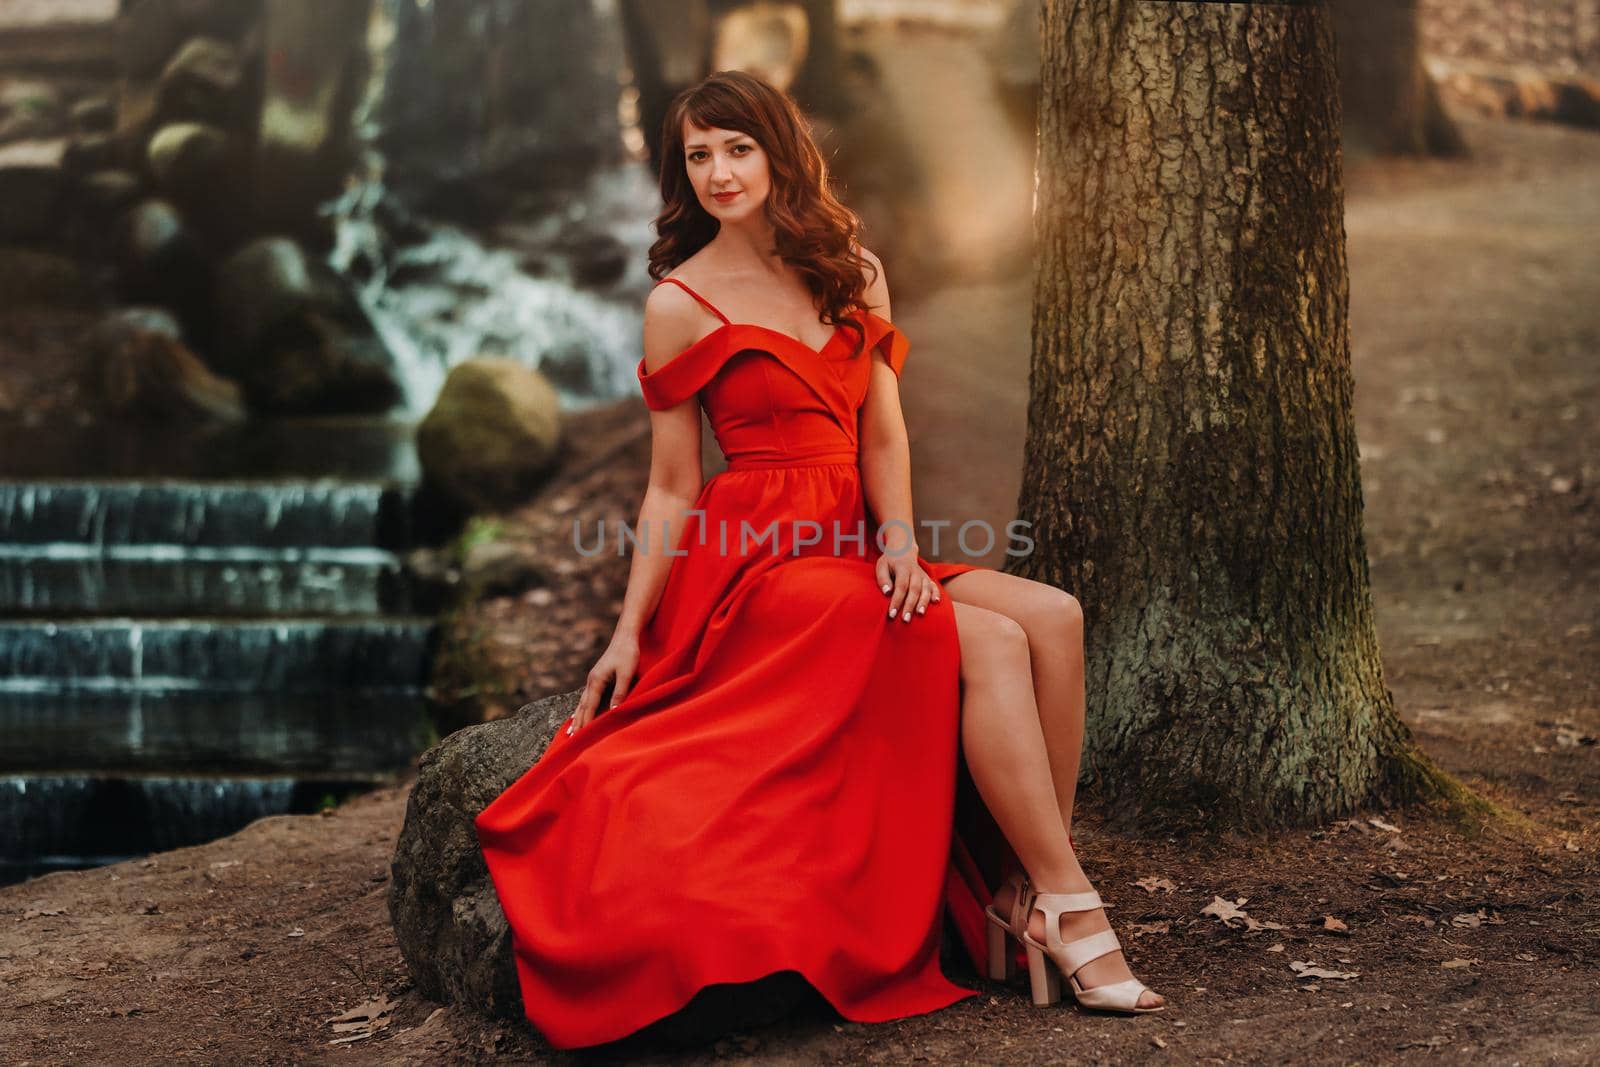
point(886, 470)
point(676, 478)
point(676, 473)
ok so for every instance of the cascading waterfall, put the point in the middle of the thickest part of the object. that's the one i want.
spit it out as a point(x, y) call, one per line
point(437, 294)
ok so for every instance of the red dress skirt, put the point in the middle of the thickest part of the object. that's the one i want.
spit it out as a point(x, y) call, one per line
point(779, 788)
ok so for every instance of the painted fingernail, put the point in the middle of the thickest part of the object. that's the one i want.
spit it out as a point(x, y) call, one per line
point(885, 587)
point(891, 613)
point(907, 616)
point(922, 609)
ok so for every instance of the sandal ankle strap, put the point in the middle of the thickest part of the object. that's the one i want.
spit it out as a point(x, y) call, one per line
point(1060, 902)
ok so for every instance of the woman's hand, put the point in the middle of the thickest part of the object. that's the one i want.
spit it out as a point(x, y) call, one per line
point(618, 663)
point(907, 585)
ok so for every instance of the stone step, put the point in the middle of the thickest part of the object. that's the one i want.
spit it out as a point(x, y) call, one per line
point(166, 580)
point(69, 821)
point(206, 732)
point(252, 655)
point(350, 448)
point(80, 518)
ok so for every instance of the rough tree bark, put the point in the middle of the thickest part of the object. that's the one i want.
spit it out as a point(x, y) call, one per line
point(1191, 470)
point(1391, 106)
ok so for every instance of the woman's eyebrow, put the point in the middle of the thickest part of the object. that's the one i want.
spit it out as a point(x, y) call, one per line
point(725, 140)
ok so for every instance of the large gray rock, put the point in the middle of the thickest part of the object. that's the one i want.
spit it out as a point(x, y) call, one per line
point(493, 435)
point(291, 332)
point(105, 193)
point(188, 158)
point(158, 258)
point(94, 114)
point(139, 368)
point(447, 918)
point(202, 81)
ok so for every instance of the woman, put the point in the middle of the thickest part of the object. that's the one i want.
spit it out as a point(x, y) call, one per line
point(773, 782)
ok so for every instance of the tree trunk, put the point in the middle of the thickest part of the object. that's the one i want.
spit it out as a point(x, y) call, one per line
point(1391, 106)
point(1191, 470)
point(820, 88)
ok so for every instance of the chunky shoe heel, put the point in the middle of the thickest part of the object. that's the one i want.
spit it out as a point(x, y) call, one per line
point(1002, 962)
point(1042, 976)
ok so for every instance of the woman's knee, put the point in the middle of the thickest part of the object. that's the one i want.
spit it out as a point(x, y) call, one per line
point(989, 640)
point(1063, 612)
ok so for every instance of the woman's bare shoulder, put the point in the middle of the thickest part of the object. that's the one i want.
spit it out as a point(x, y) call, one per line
point(670, 324)
point(876, 295)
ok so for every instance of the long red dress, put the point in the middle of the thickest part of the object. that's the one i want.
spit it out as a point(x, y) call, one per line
point(778, 789)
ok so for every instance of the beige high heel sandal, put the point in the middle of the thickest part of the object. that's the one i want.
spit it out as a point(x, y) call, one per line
point(1067, 957)
point(1002, 964)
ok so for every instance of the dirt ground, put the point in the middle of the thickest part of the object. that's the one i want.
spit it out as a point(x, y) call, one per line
point(1475, 336)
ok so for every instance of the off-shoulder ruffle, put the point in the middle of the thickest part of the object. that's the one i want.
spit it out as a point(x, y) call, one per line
point(894, 345)
point(685, 374)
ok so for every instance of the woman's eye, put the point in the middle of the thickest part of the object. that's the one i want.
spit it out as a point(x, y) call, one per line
point(741, 149)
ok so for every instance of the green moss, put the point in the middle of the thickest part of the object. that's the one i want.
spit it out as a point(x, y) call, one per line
point(466, 679)
point(479, 530)
point(1409, 776)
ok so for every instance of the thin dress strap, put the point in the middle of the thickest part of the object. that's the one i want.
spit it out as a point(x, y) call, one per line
point(708, 304)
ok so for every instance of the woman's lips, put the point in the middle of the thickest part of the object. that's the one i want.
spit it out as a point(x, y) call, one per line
point(723, 198)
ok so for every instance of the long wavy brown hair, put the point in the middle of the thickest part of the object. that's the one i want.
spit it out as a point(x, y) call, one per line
point(814, 232)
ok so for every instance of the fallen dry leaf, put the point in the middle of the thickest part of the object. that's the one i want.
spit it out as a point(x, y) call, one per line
point(1151, 884)
point(1226, 911)
point(362, 1021)
point(1311, 969)
point(1380, 824)
point(1437, 1041)
point(1335, 925)
point(1141, 929)
point(1451, 965)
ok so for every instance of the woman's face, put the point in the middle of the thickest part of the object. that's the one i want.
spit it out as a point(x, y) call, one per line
point(726, 162)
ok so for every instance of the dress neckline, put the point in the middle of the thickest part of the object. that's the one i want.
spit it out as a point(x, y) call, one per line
point(820, 353)
point(728, 323)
